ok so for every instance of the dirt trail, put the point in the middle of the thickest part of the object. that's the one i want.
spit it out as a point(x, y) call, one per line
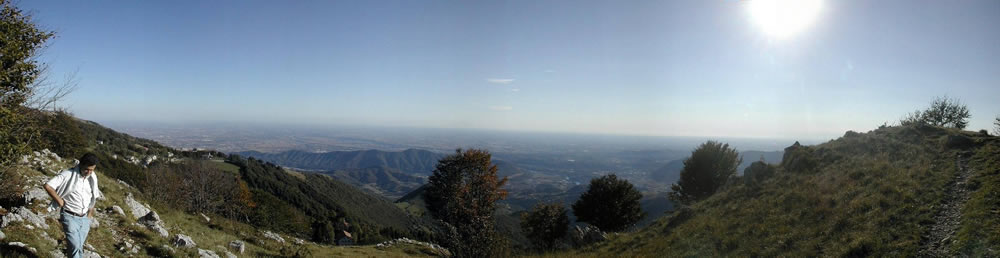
point(937, 242)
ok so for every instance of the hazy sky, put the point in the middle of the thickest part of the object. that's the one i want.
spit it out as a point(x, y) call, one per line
point(691, 68)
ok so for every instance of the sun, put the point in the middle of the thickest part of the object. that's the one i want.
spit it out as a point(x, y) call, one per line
point(782, 19)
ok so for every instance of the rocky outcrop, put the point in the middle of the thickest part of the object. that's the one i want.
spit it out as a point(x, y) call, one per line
point(36, 195)
point(238, 246)
point(207, 254)
point(181, 240)
point(138, 209)
point(25, 215)
point(21, 246)
point(273, 236)
point(2, 236)
point(587, 235)
point(45, 161)
point(441, 250)
point(118, 210)
point(153, 222)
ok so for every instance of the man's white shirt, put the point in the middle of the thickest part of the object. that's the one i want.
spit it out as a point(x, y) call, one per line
point(78, 196)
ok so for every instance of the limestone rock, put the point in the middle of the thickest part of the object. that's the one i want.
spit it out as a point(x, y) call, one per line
point(273, 236)
point(229, 255)
point(587, 235)
point(138, 209)
point(94, 223)
point(118, 210)
point(152, 222)
point(36, 194)
point(23, 214)
point(207, 219)
point(57, 254)
point(22, 246)
point(181, 240)
point(207, 254)
point(2, 236)
point(237, 246)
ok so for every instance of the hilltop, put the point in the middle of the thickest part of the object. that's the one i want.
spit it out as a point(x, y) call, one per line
point(913, 190)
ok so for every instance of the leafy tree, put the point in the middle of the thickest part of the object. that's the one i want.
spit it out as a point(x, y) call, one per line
point(545, 224)
point(944, 112)
point(610, 203)
point(462, 192)
point(708, 168)
point(20, 41)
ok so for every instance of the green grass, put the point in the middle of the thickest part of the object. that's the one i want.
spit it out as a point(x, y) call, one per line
point(979, 234)
point(872, 194)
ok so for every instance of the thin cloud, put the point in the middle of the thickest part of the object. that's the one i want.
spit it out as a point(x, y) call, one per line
point(500, 81)
point(515, 89)
point(501, 108)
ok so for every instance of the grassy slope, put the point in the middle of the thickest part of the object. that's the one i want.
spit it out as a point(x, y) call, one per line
point(872, 194)
point(207, 235)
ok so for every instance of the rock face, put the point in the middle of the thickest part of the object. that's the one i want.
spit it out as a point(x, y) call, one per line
point(207, 254)
point(36, 195)
point(181, 240)
point(237, 246)
point(152, 222)
point(2, 236)
point(587, 235)
point(273, 236)
point(25, 215)
point(138, 209)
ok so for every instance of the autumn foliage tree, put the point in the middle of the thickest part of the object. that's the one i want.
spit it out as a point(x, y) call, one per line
point(462, 192)
point(610, 204)
point(545, 224)
point(708, 169)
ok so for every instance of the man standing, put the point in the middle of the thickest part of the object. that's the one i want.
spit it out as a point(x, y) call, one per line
point(75, 192)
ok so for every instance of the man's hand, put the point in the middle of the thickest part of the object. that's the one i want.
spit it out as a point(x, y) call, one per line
point(52, 193)
point(90, 213)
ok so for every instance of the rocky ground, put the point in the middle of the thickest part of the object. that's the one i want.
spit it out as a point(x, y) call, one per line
point(938, 241)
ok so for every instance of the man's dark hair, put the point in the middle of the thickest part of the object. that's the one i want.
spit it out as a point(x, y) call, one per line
point(88, 159)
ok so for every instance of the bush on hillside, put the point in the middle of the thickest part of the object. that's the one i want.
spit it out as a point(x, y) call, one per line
point(610, 204)
point(944, 112)
point(710, 166)
point(60, 133)
point(545, 224)
point(757, 172)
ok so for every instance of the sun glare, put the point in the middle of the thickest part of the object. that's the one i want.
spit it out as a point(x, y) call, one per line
point(784, 18)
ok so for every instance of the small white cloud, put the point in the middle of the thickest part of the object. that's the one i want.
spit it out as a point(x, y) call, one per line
point(501, 108)
point(515, 89)
point(500, 81)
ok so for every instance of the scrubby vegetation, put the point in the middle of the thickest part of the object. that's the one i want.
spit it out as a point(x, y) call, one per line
point(710, 166)
point(943, 111)
point(864, 194)
point(544, 224)
point(610, 203)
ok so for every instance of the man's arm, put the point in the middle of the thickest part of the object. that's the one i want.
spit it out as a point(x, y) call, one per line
point(52, 193)
point(91, 212)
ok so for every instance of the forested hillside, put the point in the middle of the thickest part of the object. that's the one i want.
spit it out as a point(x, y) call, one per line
point(413, 161)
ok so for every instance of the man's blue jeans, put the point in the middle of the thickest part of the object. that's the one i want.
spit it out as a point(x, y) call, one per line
point(76, 229)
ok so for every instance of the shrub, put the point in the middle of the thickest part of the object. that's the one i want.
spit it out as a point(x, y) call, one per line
point(944, 112)
point(545, 224)
point(757, 172)
point(610, 203)
point(709, 167)
point(798, 158)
